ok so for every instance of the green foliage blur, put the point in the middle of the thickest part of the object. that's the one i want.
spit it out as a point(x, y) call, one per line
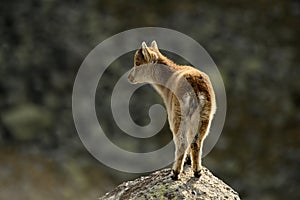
point(255, 44)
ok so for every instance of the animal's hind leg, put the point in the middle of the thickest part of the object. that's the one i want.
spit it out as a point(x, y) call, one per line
point(181, 146)
point(196, 158)
point(196, 148)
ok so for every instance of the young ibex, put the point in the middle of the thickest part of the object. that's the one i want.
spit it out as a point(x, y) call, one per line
point(190, 111)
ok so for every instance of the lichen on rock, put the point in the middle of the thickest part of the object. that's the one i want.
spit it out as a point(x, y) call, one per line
point(159, 185)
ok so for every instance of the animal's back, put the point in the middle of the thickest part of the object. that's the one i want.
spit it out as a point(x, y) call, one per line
point(201, 85)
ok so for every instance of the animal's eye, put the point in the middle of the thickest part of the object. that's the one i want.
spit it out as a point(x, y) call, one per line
point(136, 63)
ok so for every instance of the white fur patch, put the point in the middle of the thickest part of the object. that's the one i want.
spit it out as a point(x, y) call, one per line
point(202, 99)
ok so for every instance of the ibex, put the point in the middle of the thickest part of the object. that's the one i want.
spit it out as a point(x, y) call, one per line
point(190, 111)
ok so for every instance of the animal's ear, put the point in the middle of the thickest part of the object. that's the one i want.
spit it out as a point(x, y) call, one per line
point(144, 45)
point(154, 45)
point(149, 55)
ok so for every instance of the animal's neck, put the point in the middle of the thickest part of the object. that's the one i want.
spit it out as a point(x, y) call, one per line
point(156, 73)
point(165, 61)
point(160, 74)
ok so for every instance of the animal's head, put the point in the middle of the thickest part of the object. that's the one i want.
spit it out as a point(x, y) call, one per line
point(144, 55)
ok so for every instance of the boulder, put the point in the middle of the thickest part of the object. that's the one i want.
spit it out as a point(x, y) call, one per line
point(159, 185)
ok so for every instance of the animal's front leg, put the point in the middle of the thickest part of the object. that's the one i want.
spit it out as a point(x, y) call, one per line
point(188, 160)
point(181, 146)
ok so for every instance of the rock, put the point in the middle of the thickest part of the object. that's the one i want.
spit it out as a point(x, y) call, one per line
point(159, 185)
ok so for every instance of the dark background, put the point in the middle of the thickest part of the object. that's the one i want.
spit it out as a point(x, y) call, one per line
point(255, 44)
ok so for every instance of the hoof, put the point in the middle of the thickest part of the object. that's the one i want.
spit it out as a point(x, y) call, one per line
point(174, 175)
point(197, 174)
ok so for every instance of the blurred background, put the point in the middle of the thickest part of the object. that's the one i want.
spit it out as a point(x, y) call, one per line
point(254, 44)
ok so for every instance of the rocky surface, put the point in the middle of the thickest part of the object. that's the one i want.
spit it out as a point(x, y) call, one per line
point(159, 185)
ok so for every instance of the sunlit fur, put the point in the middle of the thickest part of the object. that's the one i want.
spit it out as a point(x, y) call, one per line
point(186, 141)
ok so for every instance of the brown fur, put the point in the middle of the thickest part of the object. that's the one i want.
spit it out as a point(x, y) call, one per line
point(183, 120)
